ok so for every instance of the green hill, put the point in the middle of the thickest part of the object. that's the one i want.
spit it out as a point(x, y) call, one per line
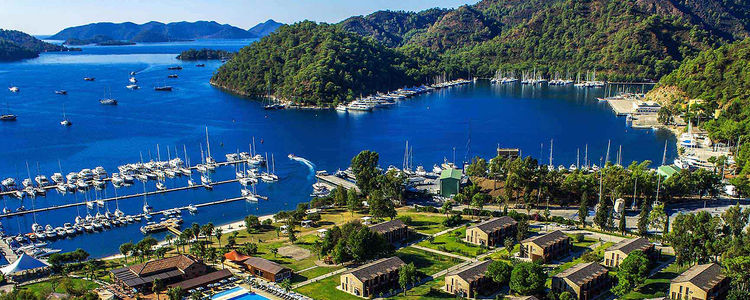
point(621, 39)
point(721, 78)
point(315, 63)
point(16, 45)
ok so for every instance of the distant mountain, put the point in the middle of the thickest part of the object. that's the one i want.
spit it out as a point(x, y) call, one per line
point(265, 28)
point(15, 45)
point(153, 31)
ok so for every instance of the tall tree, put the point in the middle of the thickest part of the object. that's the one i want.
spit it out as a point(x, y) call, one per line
point(632, 272)
point(407, 275)
point(527, 278)
point(364, 166)
point(499, 271)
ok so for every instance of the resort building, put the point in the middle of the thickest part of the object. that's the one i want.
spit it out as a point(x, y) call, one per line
point(583, 281)
point(266, 269)
point(491, 232)
point(700, 282)
point(394, 230)
point(467, 281)
point(202, 281)
point(546, 247)
point(235, 259)
point(168, 270)
point(450, 182)
point(615, 254)
point(372, 279)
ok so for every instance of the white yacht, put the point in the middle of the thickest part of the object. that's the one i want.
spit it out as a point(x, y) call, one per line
point(132, 86)
point(14, 89)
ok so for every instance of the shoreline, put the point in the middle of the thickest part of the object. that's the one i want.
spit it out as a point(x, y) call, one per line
point(287, 103)
point(232, 226)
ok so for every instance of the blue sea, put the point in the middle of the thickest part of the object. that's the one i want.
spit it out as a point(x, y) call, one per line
point(451, 124)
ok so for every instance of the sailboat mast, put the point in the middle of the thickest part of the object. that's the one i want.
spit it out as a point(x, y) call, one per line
point(208, 144)
point(607, 159)
point(551, 143)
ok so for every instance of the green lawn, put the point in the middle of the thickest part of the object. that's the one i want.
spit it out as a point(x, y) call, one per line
point(658, 285)
point(312, 273)
point(431, 290)
point(600, 249)
point(453, 242)
point(426, 262)
point(423, 222)
point(45, 287)
point(326, 289)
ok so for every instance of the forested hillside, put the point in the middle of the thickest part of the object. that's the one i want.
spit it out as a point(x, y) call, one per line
point(15, 45)
point(630, 40)
point(721, 78)
point(315, 63)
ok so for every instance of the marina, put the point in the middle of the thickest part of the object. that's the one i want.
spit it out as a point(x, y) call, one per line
point(112, 136)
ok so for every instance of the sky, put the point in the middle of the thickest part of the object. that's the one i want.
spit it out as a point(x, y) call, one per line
point(46, 17)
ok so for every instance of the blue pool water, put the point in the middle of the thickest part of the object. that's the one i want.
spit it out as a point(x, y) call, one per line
point(461, 122)
point(246, 296)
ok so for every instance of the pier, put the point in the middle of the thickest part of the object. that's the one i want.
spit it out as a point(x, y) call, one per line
point(49, 208)
point(8, 253)
point(334, 181)
point(621, 107)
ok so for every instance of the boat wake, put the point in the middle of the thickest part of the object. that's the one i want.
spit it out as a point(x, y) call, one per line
point(306, 162)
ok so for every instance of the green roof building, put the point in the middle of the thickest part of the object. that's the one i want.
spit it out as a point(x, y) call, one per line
point(667, 171)
point(450, 181)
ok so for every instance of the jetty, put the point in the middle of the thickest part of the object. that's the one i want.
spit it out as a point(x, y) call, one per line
point(334, 181)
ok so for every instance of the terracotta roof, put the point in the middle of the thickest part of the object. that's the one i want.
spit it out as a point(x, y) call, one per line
point(388, 226)
point(494, 224)
point(703, 276)
point(203, 280)
point(180, 262)
point(582, 273)
point(373, 269)
point(547, 239)
point(471, 272)
point(265, 265)
point(630, 245)
point(235, 256)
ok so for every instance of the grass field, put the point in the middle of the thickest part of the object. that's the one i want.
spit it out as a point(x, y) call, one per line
point(657, 285)
point(426, 262)
point(431, 290)
point(424, 222)
point(452, 242)
point(326, 289)
point(312, 273)
point(43, 288)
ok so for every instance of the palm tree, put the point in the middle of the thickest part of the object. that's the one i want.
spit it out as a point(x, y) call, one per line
point(157, 286)
point(169, 237)
point(218, 233)
point(125, 249)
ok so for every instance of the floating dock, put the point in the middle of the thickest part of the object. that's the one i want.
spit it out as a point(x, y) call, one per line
point(20, 213)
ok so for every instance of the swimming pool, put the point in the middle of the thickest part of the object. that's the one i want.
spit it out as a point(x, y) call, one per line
point(238, 293)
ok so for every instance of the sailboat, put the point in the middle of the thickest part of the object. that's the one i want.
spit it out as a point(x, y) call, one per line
point(269, 177)
point(7, 116)
point(108, 101)
point(146, 208)
point(118, 212)
point(210, 161)
point(65, 121)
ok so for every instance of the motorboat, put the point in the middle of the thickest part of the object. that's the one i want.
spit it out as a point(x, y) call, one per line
point(164, 88)
point(61, 92)
point(14, 89)
point(132, 86)
point(172, 76)
point(132, 80)
point(160, 186)
point(174, 68)
point(341, 107)
point(89, 78)
point(192, 209)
